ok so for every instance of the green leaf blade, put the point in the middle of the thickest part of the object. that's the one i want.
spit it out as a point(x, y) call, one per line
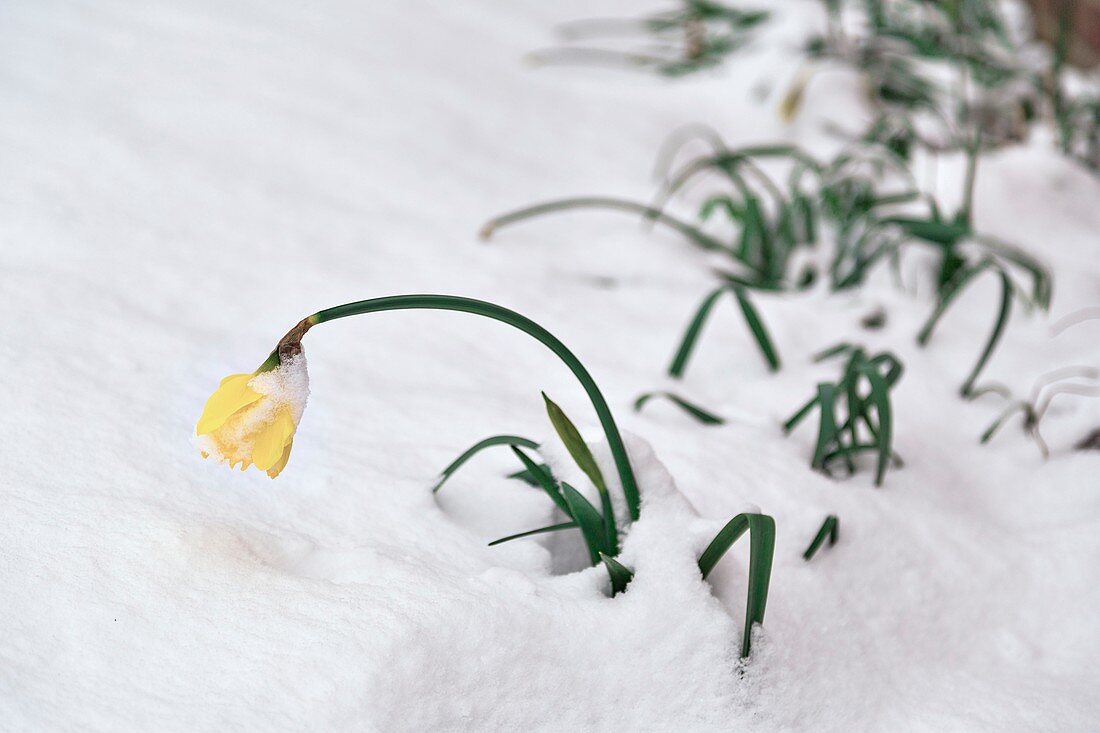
point(584, 459)
point(620, 574)
point(588, 519)
point(761, 528)
point(533, 532)
point(574, 443)
point(691, 336)
point(1003, 313)
point(544, 480)
point(495, 440)
point(830, 530)
point(702, 415)
point(880, 398)
point(759, 331)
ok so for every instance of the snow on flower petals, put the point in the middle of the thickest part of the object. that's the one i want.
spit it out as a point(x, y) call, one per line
point(251, 418)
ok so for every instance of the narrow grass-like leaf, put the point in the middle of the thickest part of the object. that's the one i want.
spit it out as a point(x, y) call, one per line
point(695, 327)
point(693, 234)
point(1022, 407)
point(827, 430)
point(798, 416)
point(681, 42)
point(527, 477)
point(683, 353)
point(733, 209)
point(1083, 390)
point(574, 443)
point(761, 529)
point(722, 542)
point(532, 532)
point(756, 325)
point(930, 230)
point(894, 367)
point(829, 530)
point(849, 385)
point(992, 388)
point(1042, 285)
point(751, 247)
point(678, 139)
point(620, 574)
point(495, 440)
point(543, 479)
point(584, 459)
point(588, 519)
point(842, 348)
point(778, 150)
point(703, 416)
point(994, 337)
point(752, 281)
point(954, 288)
point(880, 398)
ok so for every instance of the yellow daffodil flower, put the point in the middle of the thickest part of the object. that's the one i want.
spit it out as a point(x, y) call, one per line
point(251, 418)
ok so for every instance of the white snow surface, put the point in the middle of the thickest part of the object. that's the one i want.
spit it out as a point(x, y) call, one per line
point(180, 182)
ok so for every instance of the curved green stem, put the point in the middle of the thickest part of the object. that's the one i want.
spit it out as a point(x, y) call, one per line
point(291, 344)
point(605, 202)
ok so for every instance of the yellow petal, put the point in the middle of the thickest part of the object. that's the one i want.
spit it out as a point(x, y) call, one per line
point(227, 444)
point(231, 395)
point(271, 440)
point(281, 463)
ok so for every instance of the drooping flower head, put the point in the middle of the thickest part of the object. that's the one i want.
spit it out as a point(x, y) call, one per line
point(251, 418)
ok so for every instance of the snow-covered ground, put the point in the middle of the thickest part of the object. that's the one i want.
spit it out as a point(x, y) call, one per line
point(181, 182)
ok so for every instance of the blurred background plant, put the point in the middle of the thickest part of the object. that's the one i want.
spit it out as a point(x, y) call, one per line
point(943, 78)
point(855, 414)
point(699, 35)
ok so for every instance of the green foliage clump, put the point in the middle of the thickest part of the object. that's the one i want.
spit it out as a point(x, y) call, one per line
point(855, 414)
point(598, 527)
